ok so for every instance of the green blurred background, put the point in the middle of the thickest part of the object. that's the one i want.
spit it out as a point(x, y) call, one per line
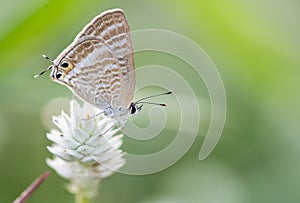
point(255, 46)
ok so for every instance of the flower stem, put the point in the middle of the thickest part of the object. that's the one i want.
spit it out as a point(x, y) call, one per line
point(31, 188)
point(81, 198)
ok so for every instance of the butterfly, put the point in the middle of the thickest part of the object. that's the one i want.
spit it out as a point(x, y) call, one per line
point(98, 67)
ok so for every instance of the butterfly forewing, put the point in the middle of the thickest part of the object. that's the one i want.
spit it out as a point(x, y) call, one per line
point(101, 65)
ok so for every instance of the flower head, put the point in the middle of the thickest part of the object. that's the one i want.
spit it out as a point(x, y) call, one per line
point(86, 149)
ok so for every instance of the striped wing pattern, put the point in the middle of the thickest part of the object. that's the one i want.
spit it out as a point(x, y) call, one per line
point(101, 62)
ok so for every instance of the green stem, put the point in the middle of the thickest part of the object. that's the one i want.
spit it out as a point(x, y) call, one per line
point(81, 198)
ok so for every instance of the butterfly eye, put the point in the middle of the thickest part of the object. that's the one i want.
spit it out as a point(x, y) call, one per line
point(132, 109)
point(58, 75)
point(64, 65)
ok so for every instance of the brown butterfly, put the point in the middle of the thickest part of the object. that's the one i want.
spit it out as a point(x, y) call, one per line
point(98, 66)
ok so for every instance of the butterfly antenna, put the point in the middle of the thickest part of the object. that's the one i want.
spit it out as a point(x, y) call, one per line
point(155, 95)
point(44, 71)
point(154, 103)
point(141, 101)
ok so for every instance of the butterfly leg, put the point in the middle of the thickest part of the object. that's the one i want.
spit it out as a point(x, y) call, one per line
point(94, 116)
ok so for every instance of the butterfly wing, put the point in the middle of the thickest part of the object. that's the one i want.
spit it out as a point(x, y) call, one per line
point(100, 64)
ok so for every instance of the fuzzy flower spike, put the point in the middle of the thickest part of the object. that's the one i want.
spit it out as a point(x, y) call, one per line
point(85, 151)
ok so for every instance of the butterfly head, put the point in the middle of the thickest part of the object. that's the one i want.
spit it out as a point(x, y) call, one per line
point(134, 108)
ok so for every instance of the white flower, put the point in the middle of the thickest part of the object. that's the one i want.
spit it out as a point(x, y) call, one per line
point(85, 151)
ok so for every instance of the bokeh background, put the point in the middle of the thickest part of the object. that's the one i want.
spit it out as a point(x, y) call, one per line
point(255, 46)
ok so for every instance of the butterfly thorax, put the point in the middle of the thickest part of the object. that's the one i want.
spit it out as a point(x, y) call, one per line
point(121, 115)
point(118, 115)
